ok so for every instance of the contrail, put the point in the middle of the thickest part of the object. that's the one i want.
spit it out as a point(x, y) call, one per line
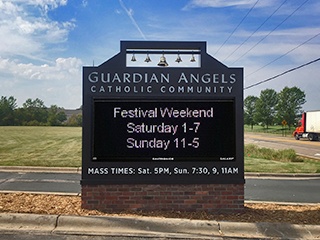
point(132, 19)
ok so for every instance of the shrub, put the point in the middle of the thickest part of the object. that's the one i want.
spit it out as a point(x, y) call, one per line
point(285, 155)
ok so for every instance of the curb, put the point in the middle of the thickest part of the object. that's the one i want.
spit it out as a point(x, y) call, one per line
point(138, 226)
point(283, 175)
point(27, 222)
point(152, 227)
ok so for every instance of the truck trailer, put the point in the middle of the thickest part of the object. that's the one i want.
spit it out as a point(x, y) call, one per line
point(308, 126)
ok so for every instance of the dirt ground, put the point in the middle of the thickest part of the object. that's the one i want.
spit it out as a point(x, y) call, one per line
point(71, 205)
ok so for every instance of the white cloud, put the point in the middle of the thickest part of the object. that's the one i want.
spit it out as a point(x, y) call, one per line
point(58, 83)
point(28, 34)
point(62, 70)
point(25, 30)
point(45, 5)
point(8, 8)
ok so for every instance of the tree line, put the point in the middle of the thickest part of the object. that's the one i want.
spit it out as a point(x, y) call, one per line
point(274, 108)
point(267, 109)
point(34, 113)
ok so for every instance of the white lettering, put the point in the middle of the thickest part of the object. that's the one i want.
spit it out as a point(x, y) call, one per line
point(145, 128)
point(183, 78)
point(93, 89)
point(153, 143)
point(93, 77)
point(233, 78)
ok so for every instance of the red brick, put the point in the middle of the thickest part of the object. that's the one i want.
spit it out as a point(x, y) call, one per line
point(206, 197)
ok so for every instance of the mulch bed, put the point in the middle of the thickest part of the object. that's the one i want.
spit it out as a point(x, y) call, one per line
point(71, 205)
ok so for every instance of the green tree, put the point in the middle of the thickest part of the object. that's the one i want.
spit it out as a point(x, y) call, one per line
point(34, 112)
point(289, 107)
point(75, 120)
point(250, 110)
point(266, 107)
point(56, 116)
point(7, 110)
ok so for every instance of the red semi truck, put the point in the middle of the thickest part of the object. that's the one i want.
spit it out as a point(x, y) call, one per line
point(308, 126)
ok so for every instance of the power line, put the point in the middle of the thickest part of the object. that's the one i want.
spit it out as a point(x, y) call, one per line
point(274, 12)
point(284, 54)
point(237, 27)
point(281, 74)
point(271, 31)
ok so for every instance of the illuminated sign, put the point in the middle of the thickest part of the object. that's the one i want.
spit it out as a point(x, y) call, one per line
point(162, 125)
point(172, 130)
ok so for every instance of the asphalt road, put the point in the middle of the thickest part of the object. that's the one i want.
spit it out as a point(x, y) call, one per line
point(40, 182)
point(293, 190)
point(279, 189)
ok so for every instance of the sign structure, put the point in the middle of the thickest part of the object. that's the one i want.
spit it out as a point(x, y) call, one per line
point(284, 123)
point(162, 125)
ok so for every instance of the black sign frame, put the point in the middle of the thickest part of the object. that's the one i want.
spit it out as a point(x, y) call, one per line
point(217, 82)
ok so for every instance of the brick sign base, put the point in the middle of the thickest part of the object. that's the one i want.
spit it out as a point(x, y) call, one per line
point(202, 197)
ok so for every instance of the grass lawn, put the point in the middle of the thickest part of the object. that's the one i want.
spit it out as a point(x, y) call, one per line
point(40, 146)
point(273, 166)
point(277, 129)
point(61, 147)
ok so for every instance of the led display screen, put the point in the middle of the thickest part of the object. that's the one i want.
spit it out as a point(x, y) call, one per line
point(166, 130)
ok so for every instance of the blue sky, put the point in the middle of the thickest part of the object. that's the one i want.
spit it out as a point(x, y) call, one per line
point(45, 43)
